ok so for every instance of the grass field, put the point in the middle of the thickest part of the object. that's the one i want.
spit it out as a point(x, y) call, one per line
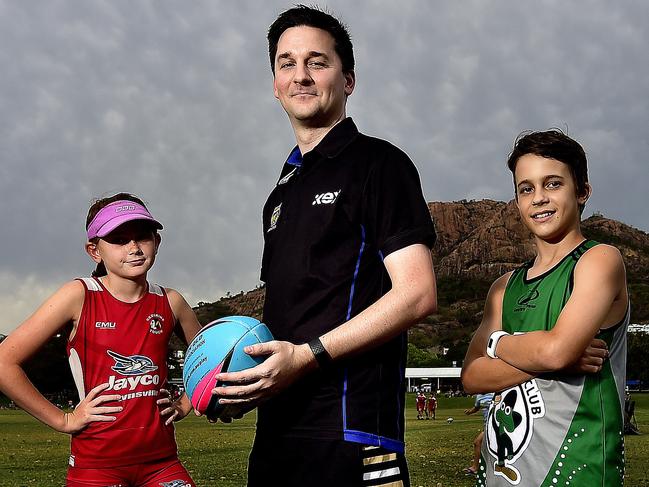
point(216, 455)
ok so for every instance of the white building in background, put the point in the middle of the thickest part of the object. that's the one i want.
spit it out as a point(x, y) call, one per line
point(433, 378)
point(638, 328)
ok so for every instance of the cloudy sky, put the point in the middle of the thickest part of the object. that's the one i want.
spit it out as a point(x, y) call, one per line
point(173, 101)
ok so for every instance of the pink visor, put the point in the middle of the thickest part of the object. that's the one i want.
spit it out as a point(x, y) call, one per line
point(117, 213)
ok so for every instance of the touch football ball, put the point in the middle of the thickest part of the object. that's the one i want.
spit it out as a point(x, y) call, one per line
point(218, 347)
point(449, 420)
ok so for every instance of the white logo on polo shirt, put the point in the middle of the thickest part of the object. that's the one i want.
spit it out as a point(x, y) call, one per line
point(285, 179)
point(328, 198)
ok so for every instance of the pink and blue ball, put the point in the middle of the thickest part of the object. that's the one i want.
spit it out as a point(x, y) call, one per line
point(218, 347)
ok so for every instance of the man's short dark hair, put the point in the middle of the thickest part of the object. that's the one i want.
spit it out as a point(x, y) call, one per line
point(312, 17)
point(553, 144)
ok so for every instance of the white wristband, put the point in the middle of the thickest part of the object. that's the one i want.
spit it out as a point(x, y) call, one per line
point(492, 343)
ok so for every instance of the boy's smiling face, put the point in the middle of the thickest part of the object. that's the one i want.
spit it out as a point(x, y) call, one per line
point(546, 197)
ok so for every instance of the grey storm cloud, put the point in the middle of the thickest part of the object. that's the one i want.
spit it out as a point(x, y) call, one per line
point(173, 101)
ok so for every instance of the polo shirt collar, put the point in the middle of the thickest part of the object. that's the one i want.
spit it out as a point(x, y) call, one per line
point(295, 157)
point(339, 137)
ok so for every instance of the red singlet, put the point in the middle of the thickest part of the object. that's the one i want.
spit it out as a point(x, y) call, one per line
point(124, 344)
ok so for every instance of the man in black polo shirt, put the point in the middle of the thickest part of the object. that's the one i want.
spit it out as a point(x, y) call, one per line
point(347, 268)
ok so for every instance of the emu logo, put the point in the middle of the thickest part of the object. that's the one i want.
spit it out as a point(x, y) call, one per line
point(106, 325)
point(133, 365)
point(326, 198)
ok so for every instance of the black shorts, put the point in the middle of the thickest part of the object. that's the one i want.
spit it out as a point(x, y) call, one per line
point(324, 463)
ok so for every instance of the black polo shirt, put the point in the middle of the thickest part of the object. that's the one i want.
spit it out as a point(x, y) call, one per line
point(331, 219)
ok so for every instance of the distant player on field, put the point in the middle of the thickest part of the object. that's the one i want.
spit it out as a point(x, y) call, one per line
point(559, 420)
point(120, 326)
point(431, 406)
point(421, 405)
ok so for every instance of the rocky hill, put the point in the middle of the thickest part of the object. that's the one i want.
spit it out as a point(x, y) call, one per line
point(245, 304)
point(477, 242)
point(478, 239)
point(484, 239)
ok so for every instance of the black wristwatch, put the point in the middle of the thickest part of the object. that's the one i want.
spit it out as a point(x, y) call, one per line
point(320, 353)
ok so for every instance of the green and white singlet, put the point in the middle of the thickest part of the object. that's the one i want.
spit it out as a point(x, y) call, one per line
point(558, 429)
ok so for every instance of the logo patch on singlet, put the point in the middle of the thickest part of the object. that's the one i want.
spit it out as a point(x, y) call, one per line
point(525, 301)
point(155, 323)
point(135, 368)
point(132, 365)
point(106, 325)
point(510, 425)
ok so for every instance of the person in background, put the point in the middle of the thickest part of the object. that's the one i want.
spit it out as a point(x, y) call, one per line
point(431, 406)
point(421, 404)
point(482, 403)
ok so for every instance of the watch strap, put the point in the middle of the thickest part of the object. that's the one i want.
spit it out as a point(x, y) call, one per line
point(320, 353)
point(492, 343)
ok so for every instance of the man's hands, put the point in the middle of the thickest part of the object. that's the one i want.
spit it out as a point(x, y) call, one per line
point(90, 410)
point(285, 363)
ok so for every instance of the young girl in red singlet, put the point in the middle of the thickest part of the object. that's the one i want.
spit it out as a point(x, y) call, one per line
point(122, 431)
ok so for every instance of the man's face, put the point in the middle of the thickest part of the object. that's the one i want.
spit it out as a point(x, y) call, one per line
point(309, 80)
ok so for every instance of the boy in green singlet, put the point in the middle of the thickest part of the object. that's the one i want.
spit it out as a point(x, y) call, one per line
point(553, 336)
